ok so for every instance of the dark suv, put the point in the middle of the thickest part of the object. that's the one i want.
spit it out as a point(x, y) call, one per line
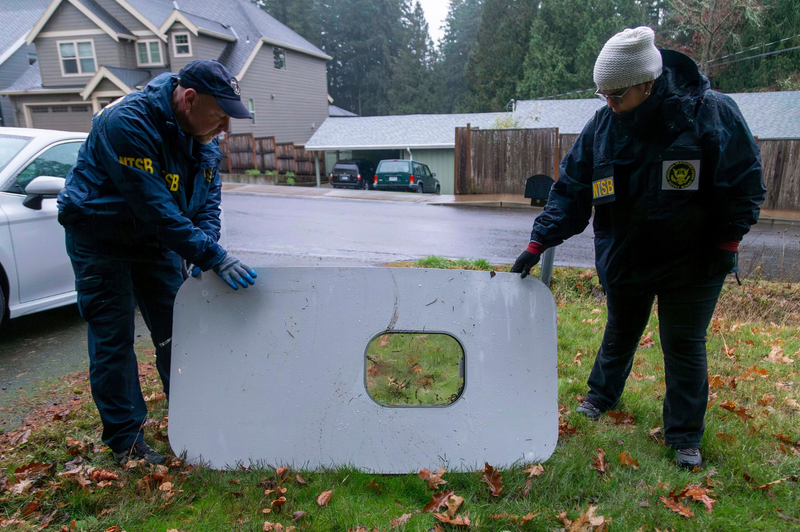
point(404, 175)
point(352, 173)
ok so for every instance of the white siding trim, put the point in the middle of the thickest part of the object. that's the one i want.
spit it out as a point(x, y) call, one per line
point(216, 35)
point(71, 33)
point(103, 73)
point(141, 18)
point(37, 28)
point(279, 44)
point(12, 50)
point(40, 91)
point(177, 16)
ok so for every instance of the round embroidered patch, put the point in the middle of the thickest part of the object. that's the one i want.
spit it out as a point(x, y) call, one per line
point(681, 174)
point(235, 86)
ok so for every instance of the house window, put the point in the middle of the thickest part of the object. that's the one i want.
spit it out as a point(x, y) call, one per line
point(181, 45)
point(251, 106)
point(279, 58)
point(148, 53)
point(77, 58)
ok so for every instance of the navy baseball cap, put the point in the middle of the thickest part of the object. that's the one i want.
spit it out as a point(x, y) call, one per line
point(210, 77)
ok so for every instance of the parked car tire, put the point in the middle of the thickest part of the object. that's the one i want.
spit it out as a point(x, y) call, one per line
point(3, 307)
point(437, 190)
point(421, 187)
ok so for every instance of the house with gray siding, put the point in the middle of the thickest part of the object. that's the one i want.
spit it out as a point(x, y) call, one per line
point(15, 54)
point(91, 52)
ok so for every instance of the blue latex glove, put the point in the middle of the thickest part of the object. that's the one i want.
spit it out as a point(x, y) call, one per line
point(196, 271)
point(234, 271)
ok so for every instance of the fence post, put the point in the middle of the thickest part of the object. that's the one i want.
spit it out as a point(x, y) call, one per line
point(253, 145)
point(556, 157)
point(316, 167)
point(469, 156)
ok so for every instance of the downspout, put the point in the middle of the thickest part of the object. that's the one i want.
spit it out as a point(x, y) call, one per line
point(410, 155)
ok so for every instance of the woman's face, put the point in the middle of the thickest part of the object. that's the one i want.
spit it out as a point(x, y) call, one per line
point(632, 97)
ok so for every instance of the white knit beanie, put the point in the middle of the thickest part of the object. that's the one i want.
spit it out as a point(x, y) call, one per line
point(628, 58)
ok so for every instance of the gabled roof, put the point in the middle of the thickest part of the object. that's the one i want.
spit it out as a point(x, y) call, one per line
point(30, 82)
point(241, 22)
point(24, 14)
point(770, 115)
point(93, 11)
point(395, 132)
point(338, 111)
point(126, 79)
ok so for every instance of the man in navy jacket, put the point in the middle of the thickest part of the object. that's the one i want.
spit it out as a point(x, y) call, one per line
point(144, 193)
point(674, 177)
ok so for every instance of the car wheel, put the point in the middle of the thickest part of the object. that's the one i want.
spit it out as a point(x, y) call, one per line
point(421, 187)
point(437, 190)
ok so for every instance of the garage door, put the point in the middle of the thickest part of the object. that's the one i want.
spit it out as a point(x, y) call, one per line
point(62, 117)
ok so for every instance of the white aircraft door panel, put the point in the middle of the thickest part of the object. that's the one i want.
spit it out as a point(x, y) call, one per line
point(275, 373)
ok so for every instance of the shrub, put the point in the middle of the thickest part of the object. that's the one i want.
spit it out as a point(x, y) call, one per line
point(290, 181)
point(252, 171)
point(270, 172)
point(290, 174)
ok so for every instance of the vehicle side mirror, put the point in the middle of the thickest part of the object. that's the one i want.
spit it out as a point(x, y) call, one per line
point(433, 174)
point(40, 187)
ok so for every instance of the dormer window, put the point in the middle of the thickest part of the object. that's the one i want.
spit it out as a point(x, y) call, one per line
point(148, 53)
point(77, 58)
point(181, 44)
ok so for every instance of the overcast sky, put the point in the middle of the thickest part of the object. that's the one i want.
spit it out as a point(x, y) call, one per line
point(435, 13)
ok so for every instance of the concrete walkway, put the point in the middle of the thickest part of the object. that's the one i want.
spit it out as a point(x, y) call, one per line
point(513, 201)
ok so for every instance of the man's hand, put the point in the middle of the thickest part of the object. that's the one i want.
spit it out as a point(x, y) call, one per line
point(723, 258)
point(528, 259)
point(234, 271)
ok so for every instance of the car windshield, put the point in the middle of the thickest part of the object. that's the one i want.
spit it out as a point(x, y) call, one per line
point(10, 146)
point(349, 168)
point(393, 166)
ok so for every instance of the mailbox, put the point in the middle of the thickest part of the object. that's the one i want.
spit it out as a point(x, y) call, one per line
point(537, 188)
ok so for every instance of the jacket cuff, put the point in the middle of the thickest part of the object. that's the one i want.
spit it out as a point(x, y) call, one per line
point(535, 248)
point(729, 245)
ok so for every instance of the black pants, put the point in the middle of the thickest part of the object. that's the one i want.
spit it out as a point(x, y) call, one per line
point(683, 315)
point(115, 269)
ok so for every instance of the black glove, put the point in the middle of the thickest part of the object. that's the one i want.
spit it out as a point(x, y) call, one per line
point(721, 261)
point(528, 259)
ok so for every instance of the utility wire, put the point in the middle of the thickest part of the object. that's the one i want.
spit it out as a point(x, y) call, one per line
point(564, 94)
point(753, 48)
point(755, 56)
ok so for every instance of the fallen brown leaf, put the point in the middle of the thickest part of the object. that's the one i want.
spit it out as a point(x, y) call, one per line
point(491, 477)
point(434, 479)
point(437, 501)
point(403, 519)
point(453, 504)
point(677, 507)
point(600, 463)
point(628, 461)
point(280, 471)
point(324, 497)
point(458, 521)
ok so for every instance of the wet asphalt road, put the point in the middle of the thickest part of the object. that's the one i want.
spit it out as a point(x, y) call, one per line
point(295, 231)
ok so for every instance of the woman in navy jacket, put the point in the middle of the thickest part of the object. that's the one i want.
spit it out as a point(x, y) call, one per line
point(674, 176)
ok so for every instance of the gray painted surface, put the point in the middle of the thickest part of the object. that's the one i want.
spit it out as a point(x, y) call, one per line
point(275, 373)
point(57, 99)
point(10, 71)
point(203, 47)
point(106, 85)
point(301, 97)
point(122, 15)
point(107, 52)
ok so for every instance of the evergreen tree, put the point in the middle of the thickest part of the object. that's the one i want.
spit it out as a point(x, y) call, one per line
point(299, 15)
point(412, 89)
point(566, 37)
point(455, 48)
point(495, 67)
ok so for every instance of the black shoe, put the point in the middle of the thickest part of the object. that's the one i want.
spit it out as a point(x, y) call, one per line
point(589, 410)
point(137, 451)
point(689, 458)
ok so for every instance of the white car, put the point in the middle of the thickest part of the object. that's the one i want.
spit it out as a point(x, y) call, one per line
point(35, 271)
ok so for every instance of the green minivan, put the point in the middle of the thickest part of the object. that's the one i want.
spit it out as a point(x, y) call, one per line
point(401, 174)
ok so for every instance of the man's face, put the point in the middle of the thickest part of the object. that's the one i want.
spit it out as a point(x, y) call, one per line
point(205, 119)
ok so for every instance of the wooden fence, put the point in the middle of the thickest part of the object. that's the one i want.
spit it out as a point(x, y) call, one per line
point(781, 166)
point(498, 161)
point(242, 152)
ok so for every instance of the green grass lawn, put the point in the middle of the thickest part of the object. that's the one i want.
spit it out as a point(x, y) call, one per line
point(55, 477)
